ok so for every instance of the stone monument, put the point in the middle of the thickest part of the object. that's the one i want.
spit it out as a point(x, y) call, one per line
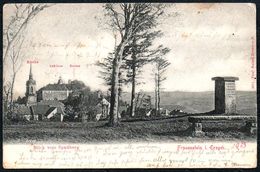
point(225, 95)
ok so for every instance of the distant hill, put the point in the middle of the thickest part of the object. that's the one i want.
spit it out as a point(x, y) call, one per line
point(198, 102)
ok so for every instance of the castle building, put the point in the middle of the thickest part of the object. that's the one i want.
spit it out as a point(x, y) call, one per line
point(31, 96)
point(58, 91)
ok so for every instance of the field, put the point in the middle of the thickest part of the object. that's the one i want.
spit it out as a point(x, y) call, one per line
point(166, 130)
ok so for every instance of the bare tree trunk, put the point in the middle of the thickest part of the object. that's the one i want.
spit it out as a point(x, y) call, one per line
point(114, 94)
point(115, 85)
point(162, 64)
point(6, 103)
point(6, 89)
point(133, 107)
point(12, 94)
point(156, 97)
point(5, 53)
point(119, 95)
point(132, 110)
point(157, 92)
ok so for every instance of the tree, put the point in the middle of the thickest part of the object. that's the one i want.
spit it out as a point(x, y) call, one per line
point(22, 15)
point(13, 38)
point(106, 67)
point(127, 20)
point(16, 62)
point(21, 100)
point(161, 65)
point(81, 102)
point(142, 52)
point(6, 95)
point(106, 70)
point(88, 104)
point(76, 85)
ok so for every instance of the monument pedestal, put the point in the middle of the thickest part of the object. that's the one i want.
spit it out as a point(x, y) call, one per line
point(225, 95)
point(197, 129)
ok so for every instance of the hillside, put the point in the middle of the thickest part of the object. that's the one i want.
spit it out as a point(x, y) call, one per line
point(164, 130)
point(198, 102)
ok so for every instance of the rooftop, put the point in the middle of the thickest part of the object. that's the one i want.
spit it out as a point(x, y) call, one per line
point(56, 87)
point(22, 109)
point(40, 109)
point(225, 78)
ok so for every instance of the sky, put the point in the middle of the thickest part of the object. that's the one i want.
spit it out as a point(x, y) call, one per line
point(206, 40)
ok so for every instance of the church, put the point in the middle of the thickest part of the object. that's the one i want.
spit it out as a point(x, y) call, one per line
point(31, 96)
point(48, 106)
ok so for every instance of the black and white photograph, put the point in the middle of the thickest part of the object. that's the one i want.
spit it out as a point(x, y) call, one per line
point(129, 85)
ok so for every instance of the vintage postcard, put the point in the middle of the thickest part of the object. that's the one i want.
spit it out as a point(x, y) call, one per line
point(129, 85)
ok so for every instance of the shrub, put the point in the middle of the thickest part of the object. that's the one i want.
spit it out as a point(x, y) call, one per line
point(14, 118)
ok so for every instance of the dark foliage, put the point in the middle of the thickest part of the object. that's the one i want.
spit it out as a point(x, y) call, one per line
point(80, 103)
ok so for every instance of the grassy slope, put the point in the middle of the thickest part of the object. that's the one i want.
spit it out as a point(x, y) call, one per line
point(198, 102)
point(157, 130)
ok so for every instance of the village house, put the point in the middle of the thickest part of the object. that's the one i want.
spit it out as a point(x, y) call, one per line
point(103, 108)
point(48, 110)
point(164, 112)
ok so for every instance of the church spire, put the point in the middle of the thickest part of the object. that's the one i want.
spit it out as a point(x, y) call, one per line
point(30, 75)
point(31, 96)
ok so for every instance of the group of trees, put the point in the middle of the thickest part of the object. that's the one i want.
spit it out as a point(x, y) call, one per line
point(135, 26)
point(14, 35)
point(81, 104)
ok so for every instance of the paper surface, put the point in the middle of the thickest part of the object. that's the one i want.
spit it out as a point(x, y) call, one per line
point(135, 155)
point(63, 43)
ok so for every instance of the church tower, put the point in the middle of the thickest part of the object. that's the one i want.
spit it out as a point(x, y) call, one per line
point(31, 97)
